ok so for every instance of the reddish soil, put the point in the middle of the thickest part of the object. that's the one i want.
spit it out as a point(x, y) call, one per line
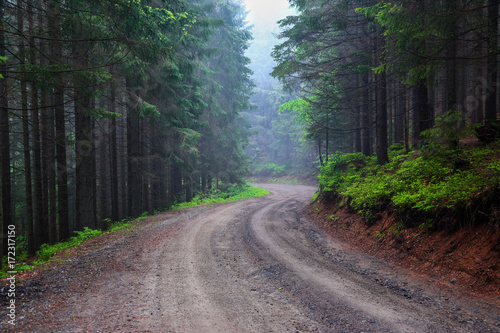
point(467, 260)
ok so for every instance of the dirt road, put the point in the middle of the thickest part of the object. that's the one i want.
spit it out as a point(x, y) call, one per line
point(252, 266)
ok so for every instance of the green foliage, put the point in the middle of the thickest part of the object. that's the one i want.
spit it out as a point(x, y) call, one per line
point(414, 33)
point(125, 223)
point(415, 186)
point(232, 193)
point(447, 131)
point(47, 251)
point(342, 171)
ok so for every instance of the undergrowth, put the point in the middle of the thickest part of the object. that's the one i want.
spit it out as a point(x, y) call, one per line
point(418, 185)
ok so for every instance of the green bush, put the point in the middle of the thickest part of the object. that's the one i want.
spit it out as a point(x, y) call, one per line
point(416, 187)
point(342, 170)
point(449, 128)
point(47, 251)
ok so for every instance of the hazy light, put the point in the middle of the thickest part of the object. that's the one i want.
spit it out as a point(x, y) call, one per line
point(263, 15)
point(266, 12)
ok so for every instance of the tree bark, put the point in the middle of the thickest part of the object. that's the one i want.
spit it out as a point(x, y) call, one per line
point(145, 168)
point(452, 61)
point(122, 165)
point(48, 199)
point(381, 116)
point(28, 221)
point(60, 124)
point(115, 216)
point(357, 133)
point(365, 117)
point(399, 114)
point(421, 116)
point(492, 61)
point(5, 160)
point(175, 190)
point(104, 175)
point(84, 150)
point(134, 156)
point(189, 187)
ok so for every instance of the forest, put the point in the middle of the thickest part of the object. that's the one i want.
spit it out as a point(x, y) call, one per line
point(374, 73)
point(401, 101)
point(110, 109)
point(366, 132)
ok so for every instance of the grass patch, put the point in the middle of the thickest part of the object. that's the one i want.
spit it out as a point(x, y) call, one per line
point(47, 251)
point(232, 193)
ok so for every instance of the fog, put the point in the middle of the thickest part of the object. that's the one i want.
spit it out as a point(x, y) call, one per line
point(278, 143)
point(265, 13)
point(263, 16)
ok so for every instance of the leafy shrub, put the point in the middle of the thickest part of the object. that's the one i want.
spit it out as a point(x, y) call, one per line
point(341, 171)
point(370, 194)
point(47, 251)
point(417, 188)
point(449, 128)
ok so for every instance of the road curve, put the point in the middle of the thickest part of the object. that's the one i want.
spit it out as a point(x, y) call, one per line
point(260, 266)
point(257, 265)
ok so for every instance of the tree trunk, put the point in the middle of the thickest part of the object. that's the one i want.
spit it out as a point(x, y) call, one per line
point(422, 118)
point(115, 216)
point(320, 153)
point(204, 176)
point(189, 187)
point(390, 111)
point(159, 169)
point(48, 200)
point(60, 133)
point(357, 133)
point(175, 183)
point(452, 61)
point(122, 166)
point(28, 221)
point(134, 158)
point(145, 168)
point(84, 165)
point(327, 138)
point(381, 116)
point(399, 114)
point(492, 61)
point(104, 175)
point(365, 117)
point(5, 180)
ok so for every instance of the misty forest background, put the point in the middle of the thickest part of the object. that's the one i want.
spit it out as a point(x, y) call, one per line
point(109, 109)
